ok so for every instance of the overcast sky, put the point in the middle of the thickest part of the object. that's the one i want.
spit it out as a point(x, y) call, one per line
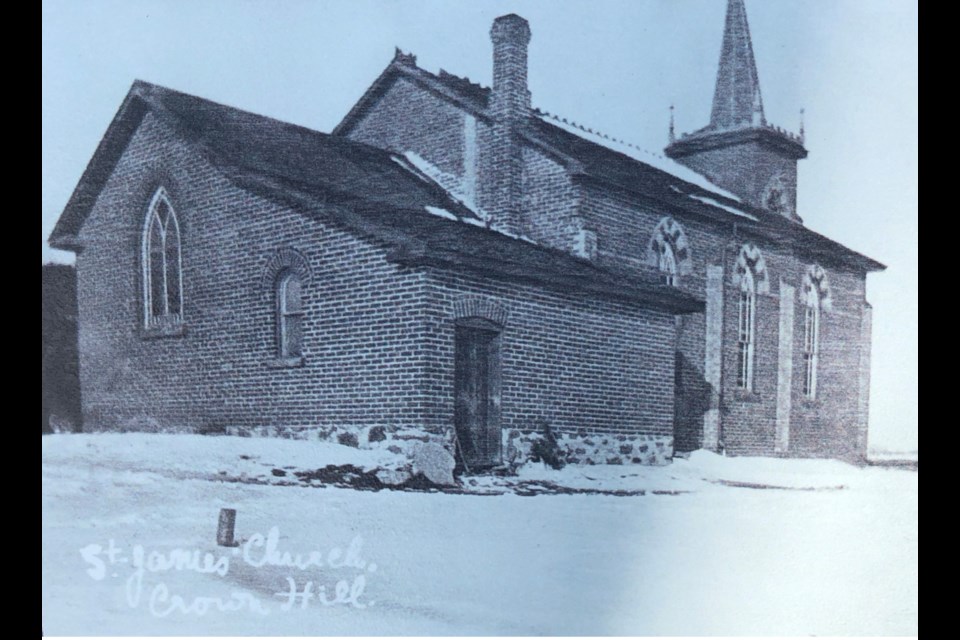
point(615, 65)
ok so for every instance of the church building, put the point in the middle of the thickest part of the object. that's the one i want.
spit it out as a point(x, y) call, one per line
point(451, 262)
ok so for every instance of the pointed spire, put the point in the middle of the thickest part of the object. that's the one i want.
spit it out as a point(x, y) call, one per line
point(802, 125)
point(673, 134)
point(736, 100)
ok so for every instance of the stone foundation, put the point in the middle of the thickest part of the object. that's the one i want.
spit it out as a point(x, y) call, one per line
point(397, 439)
point(577, 448)
point(592, 448)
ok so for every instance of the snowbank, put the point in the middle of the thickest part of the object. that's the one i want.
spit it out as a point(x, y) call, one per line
point(215, 457)
point(719, 560)
point(284, 462)
point(884, 455)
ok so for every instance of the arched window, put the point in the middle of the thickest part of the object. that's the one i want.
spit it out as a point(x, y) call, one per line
point(668, 251)
point(668, 264)
point(289, 301)
point(162, 264)
point(811, 344)
point(816, 299)
point(750, 276)
point(747, 329)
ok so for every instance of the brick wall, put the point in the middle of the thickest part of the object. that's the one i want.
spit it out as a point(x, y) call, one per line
point(624, 232)
point(624, 228)
point(378, 339)
point(746, 169)
point(825, 426)
point(578, 364)
point(409, 118)
point(829, 422)
point(551, 202)
point(748, 418)
point(363, 343)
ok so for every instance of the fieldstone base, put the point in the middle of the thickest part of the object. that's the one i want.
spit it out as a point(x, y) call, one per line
point(592, 448)
point(577, 448)
point(395, 439)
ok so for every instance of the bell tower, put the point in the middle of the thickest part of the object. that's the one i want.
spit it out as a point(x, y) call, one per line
point(739, 151)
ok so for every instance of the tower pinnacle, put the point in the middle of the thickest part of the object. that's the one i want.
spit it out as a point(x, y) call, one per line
point(739, 150)
point(736, 99)
point(673, 133)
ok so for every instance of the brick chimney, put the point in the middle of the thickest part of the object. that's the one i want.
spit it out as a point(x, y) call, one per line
point(502, 171)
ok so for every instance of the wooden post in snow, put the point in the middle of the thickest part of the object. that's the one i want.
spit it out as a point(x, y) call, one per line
point(228, 518)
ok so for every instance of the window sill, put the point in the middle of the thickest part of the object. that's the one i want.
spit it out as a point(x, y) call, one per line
point(163, 330)
point(292, 362)
point(744, 395)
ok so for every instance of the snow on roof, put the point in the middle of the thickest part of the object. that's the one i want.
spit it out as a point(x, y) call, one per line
point(714, 203)
point(451, 183)
point(455, 186)
point(443, 213)
point(637, 153)
point(400, 161)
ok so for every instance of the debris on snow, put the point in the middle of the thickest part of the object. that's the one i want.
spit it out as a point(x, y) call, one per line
point(447, 564)
point(434, 462)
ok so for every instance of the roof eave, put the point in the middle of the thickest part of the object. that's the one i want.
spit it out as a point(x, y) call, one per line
point(662, 299)
point(794, 233)
point(817, 244)
point(708, 139)
point(413, 252)
point(701, 210)
point(65, 242)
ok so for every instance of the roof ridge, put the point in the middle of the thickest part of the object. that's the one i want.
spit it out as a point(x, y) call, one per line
point(154, 95)
point(461, 85)
point(596, 132)
point(150, 91)
point(444, 74)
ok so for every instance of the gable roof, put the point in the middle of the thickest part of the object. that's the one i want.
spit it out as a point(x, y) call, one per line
point(467, 95)
point(365, 189)
point(615, 165)
point(252, 142)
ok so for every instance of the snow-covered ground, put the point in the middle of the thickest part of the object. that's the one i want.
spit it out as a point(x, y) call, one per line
point(709, 545)
point(883, 455)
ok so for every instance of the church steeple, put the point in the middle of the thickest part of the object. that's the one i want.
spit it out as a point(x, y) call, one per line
point(736, 99)
point(739, 151)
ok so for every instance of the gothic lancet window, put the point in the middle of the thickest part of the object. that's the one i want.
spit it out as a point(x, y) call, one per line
point(811, 345)
point(746, 331)
point(162, 264)
point(816, 299)
point(750, 275)
point(668, 264)
point(775, 197)
point(669, 252)
point(289, 318)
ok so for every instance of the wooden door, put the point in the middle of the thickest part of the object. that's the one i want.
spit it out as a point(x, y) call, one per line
point(477, 395)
